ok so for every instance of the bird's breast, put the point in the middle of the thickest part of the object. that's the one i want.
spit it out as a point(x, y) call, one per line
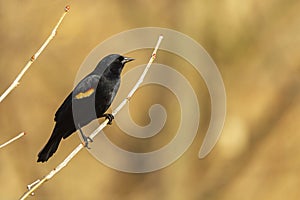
point(106, 92)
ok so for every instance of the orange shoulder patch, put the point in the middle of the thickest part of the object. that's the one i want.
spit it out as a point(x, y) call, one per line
point(85, 94)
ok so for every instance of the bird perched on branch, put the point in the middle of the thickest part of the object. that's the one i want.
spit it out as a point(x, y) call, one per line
point(88, 101)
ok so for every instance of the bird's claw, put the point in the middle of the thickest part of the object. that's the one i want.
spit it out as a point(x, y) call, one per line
point(110, 118)
point(87, 140)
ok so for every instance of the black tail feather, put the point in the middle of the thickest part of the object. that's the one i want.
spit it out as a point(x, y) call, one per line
point(52, 144)
point(60, 131)
point(49, 149)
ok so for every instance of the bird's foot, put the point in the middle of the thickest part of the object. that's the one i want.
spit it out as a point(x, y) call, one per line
point(110, 117)
point(85, 138)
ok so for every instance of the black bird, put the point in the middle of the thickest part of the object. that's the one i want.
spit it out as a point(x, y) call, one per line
point(88, 101)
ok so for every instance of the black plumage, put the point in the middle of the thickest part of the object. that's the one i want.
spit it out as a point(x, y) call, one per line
point(88, 101)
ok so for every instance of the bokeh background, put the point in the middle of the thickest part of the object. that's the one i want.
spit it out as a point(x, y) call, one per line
point(256, 46)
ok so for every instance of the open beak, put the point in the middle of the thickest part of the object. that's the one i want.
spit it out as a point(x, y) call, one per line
point(126, 60)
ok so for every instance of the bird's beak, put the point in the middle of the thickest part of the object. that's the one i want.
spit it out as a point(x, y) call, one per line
point(126, 60)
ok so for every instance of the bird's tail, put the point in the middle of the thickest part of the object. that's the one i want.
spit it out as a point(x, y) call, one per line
point(51, 146)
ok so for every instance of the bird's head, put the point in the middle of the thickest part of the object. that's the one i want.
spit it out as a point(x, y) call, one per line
point(113, 64)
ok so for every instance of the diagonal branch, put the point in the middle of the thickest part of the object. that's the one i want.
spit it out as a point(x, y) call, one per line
point(35, 56)
point(12, 140)
point(32, 187)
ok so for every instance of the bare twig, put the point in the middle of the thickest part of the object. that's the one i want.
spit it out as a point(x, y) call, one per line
point(35, 185)
point(38, 183)
point(35, 56)
point(13, 139)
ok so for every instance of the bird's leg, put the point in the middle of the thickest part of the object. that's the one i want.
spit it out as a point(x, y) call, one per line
point(110, 117)
point(86, 139)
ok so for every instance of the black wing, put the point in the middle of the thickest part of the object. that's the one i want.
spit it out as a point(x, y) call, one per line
point(85, 88)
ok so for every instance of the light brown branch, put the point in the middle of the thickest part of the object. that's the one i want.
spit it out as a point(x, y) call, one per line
point(12, 140)
point(35, 56)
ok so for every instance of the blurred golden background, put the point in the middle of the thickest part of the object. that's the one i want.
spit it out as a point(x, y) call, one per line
point(256, 46)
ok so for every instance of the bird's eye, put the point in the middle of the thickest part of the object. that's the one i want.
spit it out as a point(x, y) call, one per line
point(120, 59)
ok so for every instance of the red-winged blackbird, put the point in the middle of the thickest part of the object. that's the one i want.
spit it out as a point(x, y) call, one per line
point(88, 101)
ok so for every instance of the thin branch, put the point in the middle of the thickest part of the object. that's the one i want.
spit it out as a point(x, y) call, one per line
point(35, 56)
point(32, 187)
point(13, 139)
